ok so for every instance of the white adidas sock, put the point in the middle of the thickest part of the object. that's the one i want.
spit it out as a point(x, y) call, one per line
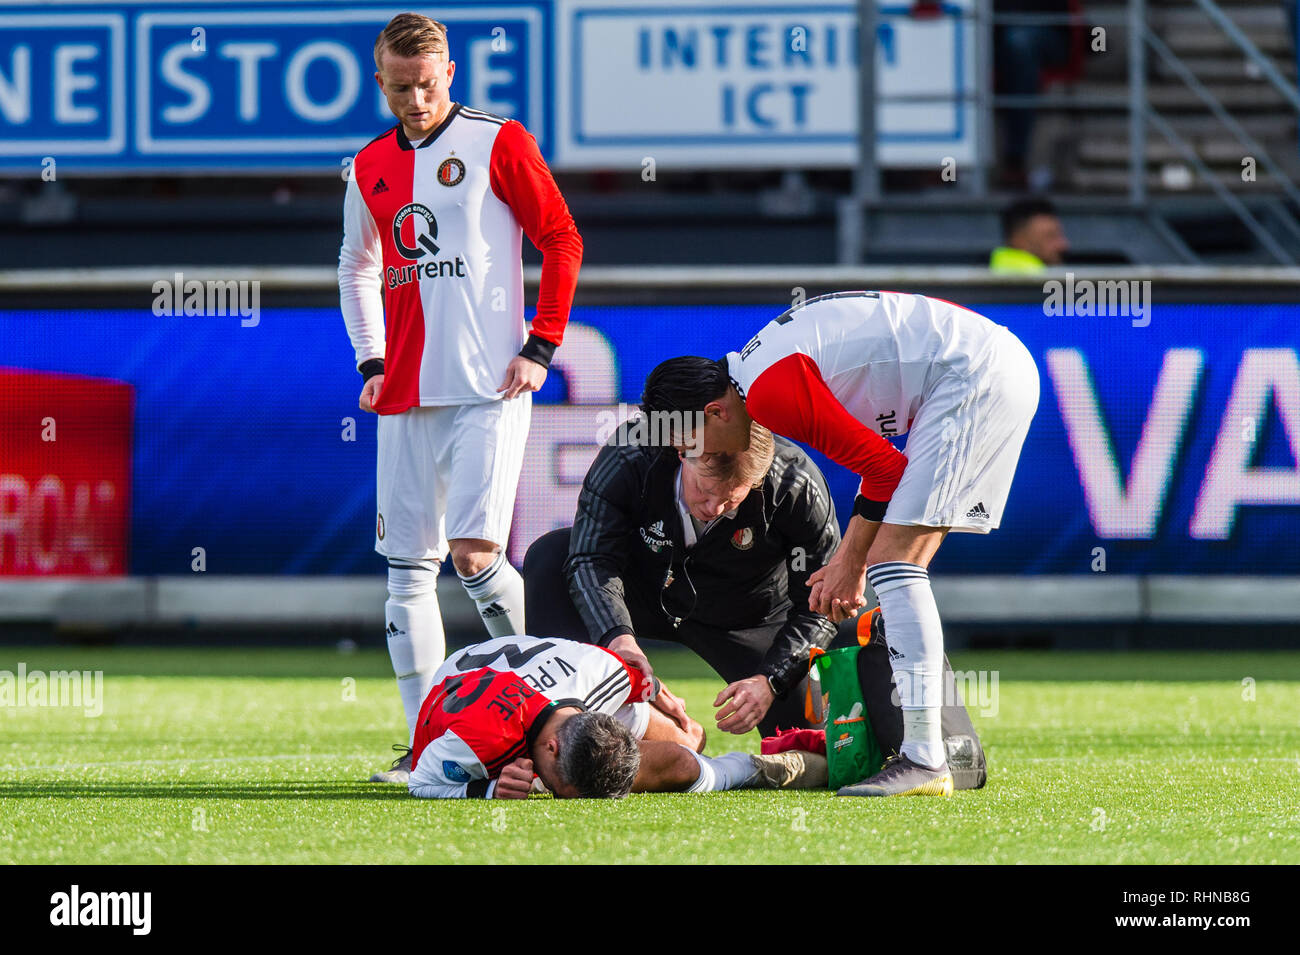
point(915, 638)
point(718, 773)
point(416, 642)
point(498, 592)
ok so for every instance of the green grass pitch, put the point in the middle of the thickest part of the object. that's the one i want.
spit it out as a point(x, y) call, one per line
point(249, 756)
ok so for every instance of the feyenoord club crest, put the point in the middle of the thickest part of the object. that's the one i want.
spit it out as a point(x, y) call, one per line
point(451, 171)
point(743, 539)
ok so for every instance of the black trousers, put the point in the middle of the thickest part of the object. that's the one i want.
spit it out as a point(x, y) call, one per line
point(733, 654)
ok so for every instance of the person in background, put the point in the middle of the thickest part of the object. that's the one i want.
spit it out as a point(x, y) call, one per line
point(1021, 52)
point(1032, 239)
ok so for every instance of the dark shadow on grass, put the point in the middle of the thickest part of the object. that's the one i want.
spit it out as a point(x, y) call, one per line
point(307, 789)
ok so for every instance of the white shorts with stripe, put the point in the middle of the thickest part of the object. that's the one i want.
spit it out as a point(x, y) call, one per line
point(448, 472)
point(965, 441)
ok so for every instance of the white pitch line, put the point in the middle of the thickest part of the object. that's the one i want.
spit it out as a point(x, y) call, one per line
point(304, 757)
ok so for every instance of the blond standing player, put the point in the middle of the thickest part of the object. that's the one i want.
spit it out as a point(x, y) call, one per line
point(431, 289)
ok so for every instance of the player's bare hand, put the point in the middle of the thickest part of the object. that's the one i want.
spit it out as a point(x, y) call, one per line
point(515, 781)
point(746, 703)
point(837, 590)
point(370, 393)
point(522, 375)
point(672, 706)
point(625, 646)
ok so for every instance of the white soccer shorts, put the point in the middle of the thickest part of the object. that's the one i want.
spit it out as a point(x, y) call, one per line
point(449, 472)
point(965, 442)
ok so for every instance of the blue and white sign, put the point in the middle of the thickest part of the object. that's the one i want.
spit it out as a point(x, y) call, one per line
point(736, 83)
point(174, 87)
point(62, 85)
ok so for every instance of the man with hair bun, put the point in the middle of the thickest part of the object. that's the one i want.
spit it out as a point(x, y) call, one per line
point(844, 373)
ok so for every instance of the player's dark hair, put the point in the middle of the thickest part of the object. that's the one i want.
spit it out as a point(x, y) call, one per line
point(685, 384)
point(598, 756)
point(1021, 211)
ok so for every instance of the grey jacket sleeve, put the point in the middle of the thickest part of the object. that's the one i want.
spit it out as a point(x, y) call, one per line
point(598, 546)
point(805, 515)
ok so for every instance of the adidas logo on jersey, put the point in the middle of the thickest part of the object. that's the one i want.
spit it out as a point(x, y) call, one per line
point(380, 186)
point(978, 512)
point(654, 536)
point(493, 609)
point(893, 654)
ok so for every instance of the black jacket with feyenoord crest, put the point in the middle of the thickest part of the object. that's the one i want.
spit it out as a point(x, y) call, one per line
point(745, 571)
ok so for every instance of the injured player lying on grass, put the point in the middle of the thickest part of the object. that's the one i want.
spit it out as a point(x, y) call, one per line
point(515, 715)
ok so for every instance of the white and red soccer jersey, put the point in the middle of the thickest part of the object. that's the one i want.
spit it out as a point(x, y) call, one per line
point(488, 697)
point(841, 372)
point(438, 227)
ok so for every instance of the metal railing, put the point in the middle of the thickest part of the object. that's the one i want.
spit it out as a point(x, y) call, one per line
point(868, 199)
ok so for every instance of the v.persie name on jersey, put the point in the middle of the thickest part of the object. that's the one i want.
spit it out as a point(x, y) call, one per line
point(543, 679)
point(510, 699)
point(514, 656)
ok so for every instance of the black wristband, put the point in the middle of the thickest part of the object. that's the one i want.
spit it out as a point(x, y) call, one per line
point(538, 350)
point(869, 510)
point(371, 367)
point(609, 635)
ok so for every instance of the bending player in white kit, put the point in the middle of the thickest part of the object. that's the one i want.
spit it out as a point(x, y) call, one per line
point(840, 373)
point(434, 213)
point(576, 716)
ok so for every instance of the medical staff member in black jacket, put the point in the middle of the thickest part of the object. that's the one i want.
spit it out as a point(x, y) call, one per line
point(712, 552)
